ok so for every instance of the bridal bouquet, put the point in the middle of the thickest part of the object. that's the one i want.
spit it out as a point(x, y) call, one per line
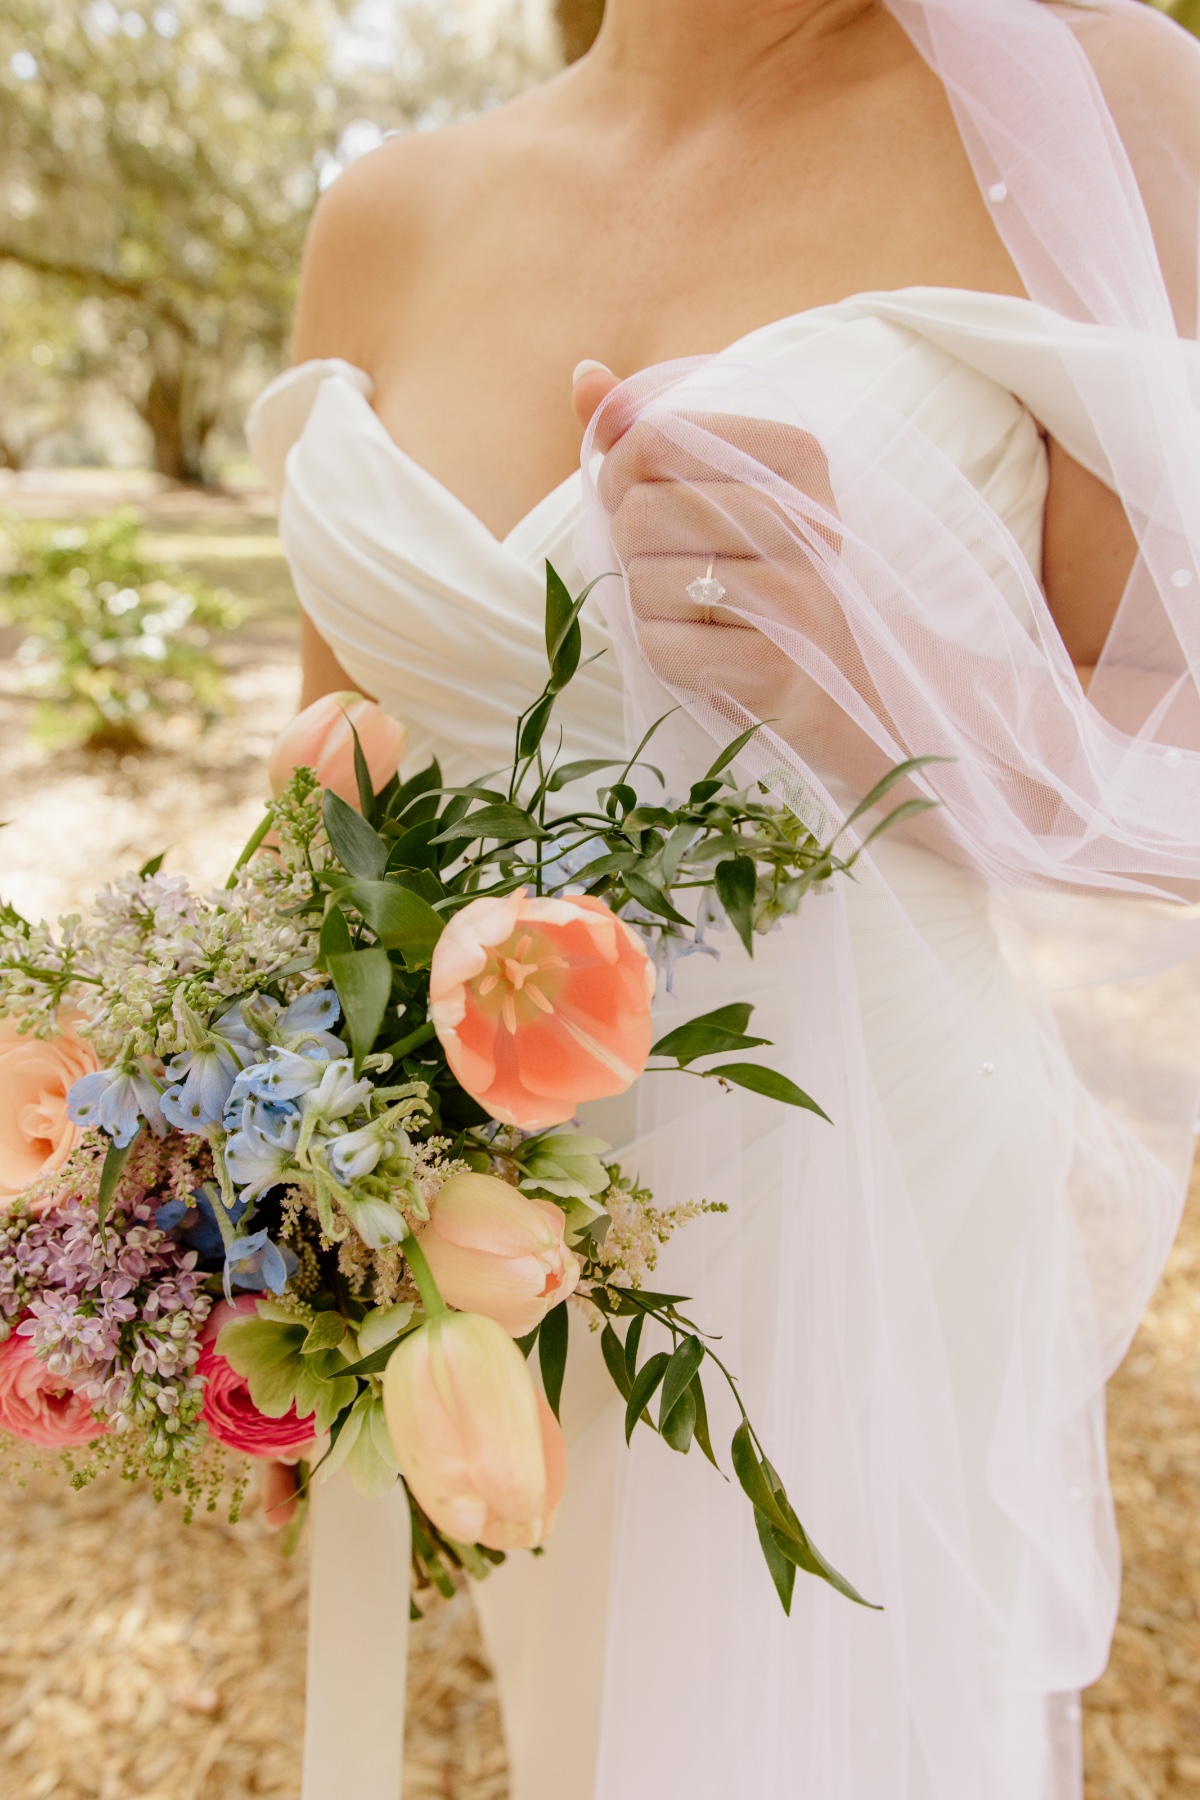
point(289, 1173)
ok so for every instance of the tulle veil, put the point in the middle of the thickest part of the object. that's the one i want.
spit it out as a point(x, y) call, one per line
point(926, 1300)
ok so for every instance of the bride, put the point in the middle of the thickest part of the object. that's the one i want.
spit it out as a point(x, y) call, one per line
point(881, 319)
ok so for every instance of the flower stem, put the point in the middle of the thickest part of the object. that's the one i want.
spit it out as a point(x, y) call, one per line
point(413, 1041)
point(431, 1301)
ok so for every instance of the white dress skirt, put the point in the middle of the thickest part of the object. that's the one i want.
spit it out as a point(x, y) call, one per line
point(923, 1299)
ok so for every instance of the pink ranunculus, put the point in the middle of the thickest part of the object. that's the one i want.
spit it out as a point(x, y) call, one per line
point(541, 1004)
point(320, 738)
point(476, 1443)
point(498, 1252)
point(228, 1411)
point(39, 1406)
point(36, 1075)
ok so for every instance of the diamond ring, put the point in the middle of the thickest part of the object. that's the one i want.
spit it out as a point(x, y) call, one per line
point(706, 590)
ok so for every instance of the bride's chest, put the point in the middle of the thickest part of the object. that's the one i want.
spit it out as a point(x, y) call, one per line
point(535, 266)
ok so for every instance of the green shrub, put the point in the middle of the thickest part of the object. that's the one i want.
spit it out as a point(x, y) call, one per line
point(111, 635)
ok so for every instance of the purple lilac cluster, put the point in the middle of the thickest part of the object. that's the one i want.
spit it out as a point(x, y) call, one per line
point(116, 1313)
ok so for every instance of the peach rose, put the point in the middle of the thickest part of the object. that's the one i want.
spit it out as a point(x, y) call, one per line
point(37, 1405)
point(541, 1004)
point(477, 1444)
point(36, 1075)
point(498, 1252)
point(320, 738)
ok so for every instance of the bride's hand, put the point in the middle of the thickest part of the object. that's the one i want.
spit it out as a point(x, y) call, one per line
point(672, 520)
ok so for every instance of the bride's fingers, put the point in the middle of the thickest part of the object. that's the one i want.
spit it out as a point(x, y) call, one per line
point(721, 518)
point(591, 384)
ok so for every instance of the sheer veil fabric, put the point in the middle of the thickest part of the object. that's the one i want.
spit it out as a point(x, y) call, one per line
point(1001, 1014)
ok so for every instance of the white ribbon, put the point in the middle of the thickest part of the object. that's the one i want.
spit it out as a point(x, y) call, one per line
point(357, 1642)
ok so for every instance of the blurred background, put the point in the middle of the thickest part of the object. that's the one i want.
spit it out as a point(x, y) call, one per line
point(159, 160)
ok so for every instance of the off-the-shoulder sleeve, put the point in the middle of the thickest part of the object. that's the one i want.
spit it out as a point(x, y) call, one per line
point(281, 412)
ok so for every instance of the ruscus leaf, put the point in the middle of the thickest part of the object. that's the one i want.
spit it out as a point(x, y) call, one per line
point(400, 919)
point(363, 980)
point(736, 882)
point(633, 1338)
point(703, 1437)
point(782, 1569)
point(553, 1340)
point(613, 1352)
point(758, 1079)
point(685, 1360)
point(644, 1388)
point(362, 777)
point(356, 844)
point(115, 1158)
point(678, 1426)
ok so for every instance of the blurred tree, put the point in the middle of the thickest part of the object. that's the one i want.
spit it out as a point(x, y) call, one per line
point(578, 23)
point(164, 157)
point(1186, 11)
point(43, 362)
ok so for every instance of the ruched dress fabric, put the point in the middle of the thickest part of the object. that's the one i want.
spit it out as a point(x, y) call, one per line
point(900, 1290)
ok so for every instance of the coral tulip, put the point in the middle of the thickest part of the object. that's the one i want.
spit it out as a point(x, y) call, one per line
point(36, 1075)
point(476, 1443)
point(496, 1251)
point(320, 738)
point(541, 1004)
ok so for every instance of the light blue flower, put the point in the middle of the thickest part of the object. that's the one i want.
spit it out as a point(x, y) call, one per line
point(356, 1153)
point(235, 1029)
point(117, 1100)
point(255, 1263)
point(196, 1225)
point(376, 1221)
point(259, 1155)
point(285, 1075)
point(210, 1072)
point(335, 1096)
point(310, 1017)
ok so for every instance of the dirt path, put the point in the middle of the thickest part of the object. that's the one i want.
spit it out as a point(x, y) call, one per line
point(142, 1658)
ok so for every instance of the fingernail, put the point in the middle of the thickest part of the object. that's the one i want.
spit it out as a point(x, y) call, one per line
point(588, 366)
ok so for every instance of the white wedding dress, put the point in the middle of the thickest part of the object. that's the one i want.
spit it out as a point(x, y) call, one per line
point(900, 1291)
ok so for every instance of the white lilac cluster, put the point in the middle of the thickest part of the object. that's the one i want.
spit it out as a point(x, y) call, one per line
point(154, 957)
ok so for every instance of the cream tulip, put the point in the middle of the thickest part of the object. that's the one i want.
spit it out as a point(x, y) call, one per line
point(496, 1251)
point(476, 1443)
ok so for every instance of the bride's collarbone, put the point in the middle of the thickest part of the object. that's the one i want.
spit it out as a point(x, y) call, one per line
point(469, 275)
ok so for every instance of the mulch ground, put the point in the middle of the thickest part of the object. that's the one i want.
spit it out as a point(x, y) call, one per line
point(142, 1659)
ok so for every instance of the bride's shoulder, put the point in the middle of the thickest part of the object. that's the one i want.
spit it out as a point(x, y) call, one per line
point(389, 210)
point(1136, 50)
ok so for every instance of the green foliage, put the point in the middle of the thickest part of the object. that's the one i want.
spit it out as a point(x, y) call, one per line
point(110, 635)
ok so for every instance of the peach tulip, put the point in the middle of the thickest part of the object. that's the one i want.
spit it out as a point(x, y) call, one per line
point(320, 738)
point(476, 1443)
point(36, 1075)
point(496, 1251)
point(541, 1004)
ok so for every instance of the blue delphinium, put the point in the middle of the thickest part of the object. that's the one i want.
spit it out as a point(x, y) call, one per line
point(117, 1100)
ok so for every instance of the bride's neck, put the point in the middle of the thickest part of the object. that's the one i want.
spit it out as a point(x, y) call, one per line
point(703, 52)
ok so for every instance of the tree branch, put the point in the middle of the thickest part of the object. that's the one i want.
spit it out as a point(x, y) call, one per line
point(91, 278)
